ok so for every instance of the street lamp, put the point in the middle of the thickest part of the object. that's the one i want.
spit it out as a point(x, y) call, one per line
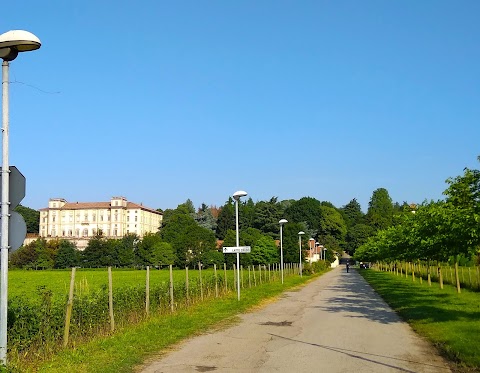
point(300, 251)
point(311, 242)
point(11, 43)
point(281, 222)
point(236, 196)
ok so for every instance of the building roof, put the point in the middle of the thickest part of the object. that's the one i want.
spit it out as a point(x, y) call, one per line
point(100, 205)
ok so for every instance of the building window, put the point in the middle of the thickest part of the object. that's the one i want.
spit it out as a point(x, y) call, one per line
point(94, 231)
point(53, 232)
point(116, 217)
point(70, 233)
point(85, 217)
point(63, 233)
point(136, 218)
point(128, 218)
point(53, 219)
point(101, 217)
point(85, 232)
point(94, 218)
point(77, 232)
point(115, 232)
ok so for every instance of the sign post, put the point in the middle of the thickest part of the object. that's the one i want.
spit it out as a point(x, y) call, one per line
point(237, 250)
point(13, 231)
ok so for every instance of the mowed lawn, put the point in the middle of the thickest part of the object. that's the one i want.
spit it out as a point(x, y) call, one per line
point(451, 321)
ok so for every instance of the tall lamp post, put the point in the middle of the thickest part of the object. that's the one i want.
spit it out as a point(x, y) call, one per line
point(236, 197)
point(11, 43)
point(300, 251)
point(281, 222)
point(311, 242)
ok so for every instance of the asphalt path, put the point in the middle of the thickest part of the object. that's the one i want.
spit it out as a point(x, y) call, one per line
point(336, 323)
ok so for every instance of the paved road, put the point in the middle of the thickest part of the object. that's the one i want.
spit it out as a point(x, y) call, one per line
point(334, 324)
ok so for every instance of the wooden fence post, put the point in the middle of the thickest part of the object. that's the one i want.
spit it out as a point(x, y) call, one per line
point(216, 282)
point(201, 283)
point(234, 277)
point(187, 288)
point(241, 277)
point(225, 274)
point(147, 292)
point(68, 314)
point(249, 279)
point(110, 299)
point(171, 289)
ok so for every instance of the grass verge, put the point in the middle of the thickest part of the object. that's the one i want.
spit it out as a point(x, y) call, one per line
point(450, 321)
point(130, 347)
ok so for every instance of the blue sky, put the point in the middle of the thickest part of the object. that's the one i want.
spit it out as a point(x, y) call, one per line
point(160, 101)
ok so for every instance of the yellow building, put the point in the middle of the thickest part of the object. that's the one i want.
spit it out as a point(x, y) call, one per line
point(80, 221)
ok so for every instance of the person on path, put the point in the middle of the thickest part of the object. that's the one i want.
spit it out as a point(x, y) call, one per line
point(348, 266)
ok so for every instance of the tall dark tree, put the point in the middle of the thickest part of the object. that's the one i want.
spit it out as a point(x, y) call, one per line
point(31, 217)
point(267, 215)
point(188, 239)
point(152, 251)
point(291, 247)
point(352, 213)
point(306, 209)
point(226, 219)
point(380, 210)
point(67, 255)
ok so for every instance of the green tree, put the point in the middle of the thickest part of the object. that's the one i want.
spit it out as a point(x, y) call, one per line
point(226, 219)
point(307, 210)
point(99, 253)
point(26, 256)
point(188, 239)
point(356, 236)
point(380, 210)
point(31, 217)
point(267, 215)
point(152, 251)
point(67, 255)
point(291, 248)
point(265, 251)
point(352, 213)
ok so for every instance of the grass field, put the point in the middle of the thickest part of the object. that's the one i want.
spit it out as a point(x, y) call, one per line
point(131, 344)
point(27, 283)
point(449, 320)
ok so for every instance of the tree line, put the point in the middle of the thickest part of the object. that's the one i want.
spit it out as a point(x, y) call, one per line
point(434, 231)
point(190, 235)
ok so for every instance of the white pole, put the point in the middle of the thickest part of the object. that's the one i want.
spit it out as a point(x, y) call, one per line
point(281, 251)
point(238, 244)
point(5, 217)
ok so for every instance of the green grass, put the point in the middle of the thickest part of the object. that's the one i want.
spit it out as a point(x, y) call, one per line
point(26, 283)
point(449, 320)
point(129, 347)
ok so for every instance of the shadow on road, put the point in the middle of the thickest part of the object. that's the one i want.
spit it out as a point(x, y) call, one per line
point(355, 297)
point(357, 355)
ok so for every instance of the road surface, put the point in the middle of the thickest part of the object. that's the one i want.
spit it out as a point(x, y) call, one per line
point(336, 323)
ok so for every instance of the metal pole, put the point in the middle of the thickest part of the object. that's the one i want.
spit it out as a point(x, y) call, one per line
point(281, 251)
point(300, 256)
point(4, 215)
point(238, 244)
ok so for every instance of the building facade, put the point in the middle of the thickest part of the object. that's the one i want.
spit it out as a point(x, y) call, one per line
point(80, 221)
